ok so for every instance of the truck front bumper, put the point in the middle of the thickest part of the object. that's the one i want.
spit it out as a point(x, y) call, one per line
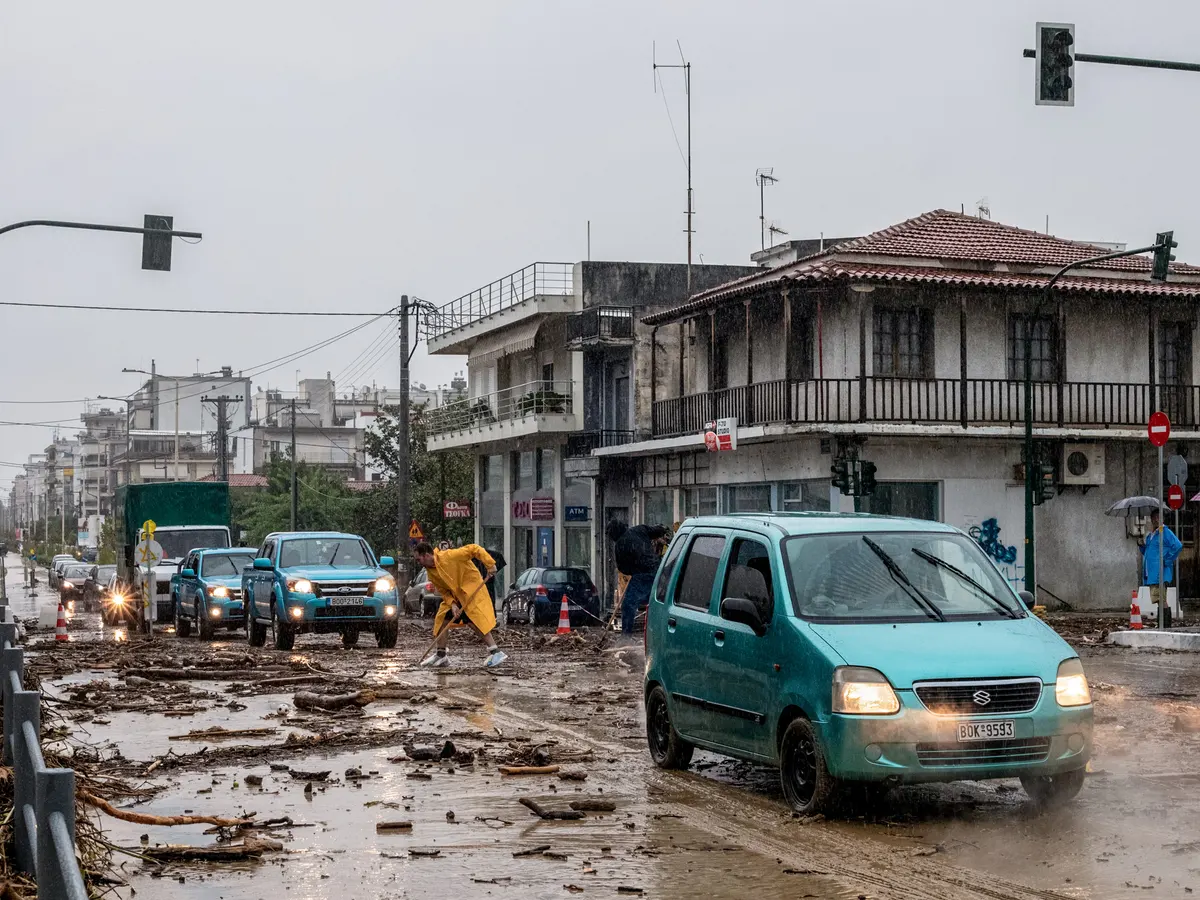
point(322, 615)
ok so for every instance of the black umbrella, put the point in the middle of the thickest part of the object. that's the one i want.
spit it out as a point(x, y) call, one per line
point(1134, 506)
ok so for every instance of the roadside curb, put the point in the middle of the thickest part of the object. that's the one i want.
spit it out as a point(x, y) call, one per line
point(1158, 640)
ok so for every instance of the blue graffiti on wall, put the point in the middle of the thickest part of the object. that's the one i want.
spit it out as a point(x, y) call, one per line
point(988, 536)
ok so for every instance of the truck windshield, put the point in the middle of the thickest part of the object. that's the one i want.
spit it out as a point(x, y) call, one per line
point(176, 544)
point(224, 566)
point(841, 578)
point(331, 551)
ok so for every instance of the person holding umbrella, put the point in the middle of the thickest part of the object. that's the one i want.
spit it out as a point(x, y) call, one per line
point(1160, 536)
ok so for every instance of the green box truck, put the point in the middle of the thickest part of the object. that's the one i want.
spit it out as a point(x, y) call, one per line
point(187, 515)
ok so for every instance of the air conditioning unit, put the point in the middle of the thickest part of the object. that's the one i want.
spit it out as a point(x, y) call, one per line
point(1082, 464)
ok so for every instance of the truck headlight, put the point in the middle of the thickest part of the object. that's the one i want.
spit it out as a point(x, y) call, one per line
point(215, 612)
point(861, 691)
point(389, 610)
point(218, 591)
point(300, 586)
point(1071, 687)
point(385, 585)
point(297, 612)
point(118, 599)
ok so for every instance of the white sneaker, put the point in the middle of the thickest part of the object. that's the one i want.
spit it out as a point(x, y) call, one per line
point(494, 658)
point(436, 662)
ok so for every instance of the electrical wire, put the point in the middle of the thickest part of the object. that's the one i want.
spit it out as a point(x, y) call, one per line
point(369, 366)
point(387, 327)
point(191, 312)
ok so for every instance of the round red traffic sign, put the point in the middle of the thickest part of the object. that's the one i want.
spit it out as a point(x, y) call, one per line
point(1175, 496)
point(1159, 429)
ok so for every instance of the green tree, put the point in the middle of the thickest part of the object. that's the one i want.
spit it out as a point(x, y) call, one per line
point(107, 548)
point(432, 479)
point(325, 503)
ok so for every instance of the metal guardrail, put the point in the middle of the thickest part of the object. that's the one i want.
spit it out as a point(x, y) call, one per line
point(539, 279)
point(43, 798)
point(600, 324)
point(584, 442)
point(536, 398)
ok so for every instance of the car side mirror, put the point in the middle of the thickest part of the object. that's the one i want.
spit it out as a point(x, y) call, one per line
point(739, 609)
point(1027, 598)
point(262, 563)
point(188, 573)
point(386, 562)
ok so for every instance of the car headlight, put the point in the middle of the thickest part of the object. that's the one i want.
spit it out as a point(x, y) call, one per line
point(218, 591)
point(67, 584)
point(1071, 687)
point(215, 612)
point(385, 585)
point(300, 586)
point(118, 600)
point(389, 610)
point(863, 692)
point(297, 612)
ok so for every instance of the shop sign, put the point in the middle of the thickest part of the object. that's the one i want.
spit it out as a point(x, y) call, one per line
point(720, 435)
point(456, 509)
point(575, 513)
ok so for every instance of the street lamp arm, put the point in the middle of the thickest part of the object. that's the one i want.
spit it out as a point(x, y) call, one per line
point(90, 226)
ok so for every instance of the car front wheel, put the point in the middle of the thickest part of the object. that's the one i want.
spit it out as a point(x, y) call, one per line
point(283, 633)
point(807, 784)
point(183, 627)
point(667, 748)
point(203, 623)
point(256, 632)
point(387, 634)
point(1049, 791)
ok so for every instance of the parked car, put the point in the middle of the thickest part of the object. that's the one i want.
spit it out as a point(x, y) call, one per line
point(96, 585)
point(118, 604)
point(207, 592)
point(858, 649)
point(57, 564)
point(536, 597)
point(421, 599)
point(71, 584)
point(319, 582)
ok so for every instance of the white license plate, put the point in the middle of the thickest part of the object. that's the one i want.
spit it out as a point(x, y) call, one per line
point(345, 601)
point(986, 731)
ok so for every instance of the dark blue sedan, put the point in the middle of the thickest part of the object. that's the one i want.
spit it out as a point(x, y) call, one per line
point(536, 597)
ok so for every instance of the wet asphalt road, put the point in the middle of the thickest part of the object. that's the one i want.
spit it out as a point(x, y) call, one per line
point(720, 830)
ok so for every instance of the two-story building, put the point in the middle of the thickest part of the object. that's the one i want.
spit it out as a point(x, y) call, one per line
point(908, 347)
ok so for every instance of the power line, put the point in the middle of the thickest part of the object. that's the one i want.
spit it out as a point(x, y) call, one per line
point(356, 366)
point(192, 312)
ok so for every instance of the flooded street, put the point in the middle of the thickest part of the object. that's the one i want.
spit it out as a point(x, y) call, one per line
point(721, 829)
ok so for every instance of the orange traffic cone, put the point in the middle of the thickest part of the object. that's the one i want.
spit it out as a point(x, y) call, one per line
point(60, 627)
point(564, 618)
point(1135, 614)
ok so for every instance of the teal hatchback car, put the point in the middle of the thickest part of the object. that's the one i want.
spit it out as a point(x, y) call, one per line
point(853, 648)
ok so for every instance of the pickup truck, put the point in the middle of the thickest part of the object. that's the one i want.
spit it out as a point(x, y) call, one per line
point(319, 583)
point(207, 591)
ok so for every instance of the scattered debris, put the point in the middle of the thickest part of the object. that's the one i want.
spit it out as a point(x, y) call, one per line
point(385, 827)
point(529, 770)
point(310, 701)
point(542, 813)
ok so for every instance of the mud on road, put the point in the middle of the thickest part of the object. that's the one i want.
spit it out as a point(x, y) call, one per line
point(430, 749)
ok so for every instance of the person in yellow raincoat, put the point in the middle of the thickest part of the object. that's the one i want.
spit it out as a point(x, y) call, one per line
point(465, 601)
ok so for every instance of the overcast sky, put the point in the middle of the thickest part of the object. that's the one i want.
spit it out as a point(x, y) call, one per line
point(338, 154)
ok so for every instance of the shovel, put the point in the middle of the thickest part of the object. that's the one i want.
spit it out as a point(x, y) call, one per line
point(453, 619)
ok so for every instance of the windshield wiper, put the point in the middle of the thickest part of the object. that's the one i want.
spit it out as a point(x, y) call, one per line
point(955, 570)
point(333, 555)
point(903, 580)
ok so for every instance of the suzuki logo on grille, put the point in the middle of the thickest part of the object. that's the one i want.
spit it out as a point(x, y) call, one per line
point(982, 698)
point(345, 590)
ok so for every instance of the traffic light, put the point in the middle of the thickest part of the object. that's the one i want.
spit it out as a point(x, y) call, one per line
point(1163, 257)
point(1055, 64)
point(1043, 483)
point(156, 248)
point(866, 483)
point(841, 475)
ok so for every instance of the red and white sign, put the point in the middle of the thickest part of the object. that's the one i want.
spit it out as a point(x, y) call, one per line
point(1175, 496)
point(1159, 429)
point(456, 509)
point(539, 509)
point(720, 435)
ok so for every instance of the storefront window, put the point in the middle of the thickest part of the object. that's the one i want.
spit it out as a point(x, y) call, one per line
point(805, 496)
point(701, 501)
point(579, 549)
point(491, 473)
point(545, 469)
point(492, 538)
point(523, 471)
point(658, 507)
point(522, 550)
point(748, 498)
point(911, 499)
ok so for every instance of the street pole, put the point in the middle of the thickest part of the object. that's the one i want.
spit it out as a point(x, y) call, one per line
point(176, 429)
point(222, 439)
point(1162, 527)
point(295, 483)
point(403, 512)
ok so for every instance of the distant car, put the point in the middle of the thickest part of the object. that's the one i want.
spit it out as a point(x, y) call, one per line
point(57, 564)
point(421, 599)
point(96, 585)
point(208, 591)
point(72, 582)
point(536, 597)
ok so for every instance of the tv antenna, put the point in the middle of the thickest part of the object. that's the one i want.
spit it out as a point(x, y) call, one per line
point(764, 176)
point(775, 230)
point(687, 90)
point(983, 210)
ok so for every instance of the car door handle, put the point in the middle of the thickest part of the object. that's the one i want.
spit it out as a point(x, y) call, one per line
point(719, 637)
point(671, 623)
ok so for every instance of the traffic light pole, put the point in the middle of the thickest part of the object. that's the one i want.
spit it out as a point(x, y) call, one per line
point(1030, 554)
point(1126, 61)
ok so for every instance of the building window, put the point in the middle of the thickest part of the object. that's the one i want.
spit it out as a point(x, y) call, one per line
point(1044, 355)
point(699, 501)
point(910, 499)
point(804, 496)
point(492, 538)
point(748, 498)
point(1175, 354)
point(491, 473)
point(903, 343)
point(524, 476)
point(579, 547)
point(800, 348)
point(658, 507)
point(545, 469)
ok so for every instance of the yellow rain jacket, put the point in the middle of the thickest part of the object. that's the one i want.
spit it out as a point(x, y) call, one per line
point(456, 579)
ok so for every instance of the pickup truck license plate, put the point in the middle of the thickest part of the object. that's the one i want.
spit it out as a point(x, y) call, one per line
point(345, 601)
point(986, 731)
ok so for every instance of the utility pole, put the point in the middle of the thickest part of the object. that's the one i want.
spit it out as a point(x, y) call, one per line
point(221, 404)
point(295, 483)
point(403, 513)
point(687, 90)
point(176, 426)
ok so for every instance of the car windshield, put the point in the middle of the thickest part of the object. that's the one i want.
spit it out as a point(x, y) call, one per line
point(936, 576)
point(77, 571)
point(105, 572)
point(177, 544)
point(331, 551)
point(224, 566)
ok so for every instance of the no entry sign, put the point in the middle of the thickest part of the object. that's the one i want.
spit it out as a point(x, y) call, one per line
point(1175, 496)
point(1159, 429)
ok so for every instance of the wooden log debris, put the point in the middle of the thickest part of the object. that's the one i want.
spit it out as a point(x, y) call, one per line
point(386, 827)
point(219, 733)
point(147, 819)
point(592, 805)
point(329, 702)
point(250, 848)
point(529, 770)
point(542, 813)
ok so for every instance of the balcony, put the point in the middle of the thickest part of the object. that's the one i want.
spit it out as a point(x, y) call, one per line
point(937, 401)
point(600, 326)
point(582, 444)
point(537, 289)
point(512, 412)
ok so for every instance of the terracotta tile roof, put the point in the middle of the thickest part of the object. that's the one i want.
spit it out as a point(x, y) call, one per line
point(241, 481)
point(951, 248)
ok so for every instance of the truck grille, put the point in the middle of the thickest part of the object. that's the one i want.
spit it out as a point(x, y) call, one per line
point(344, 612)
point(984, 753)
point(337, 589)
point(162, 587)
point(979, 697)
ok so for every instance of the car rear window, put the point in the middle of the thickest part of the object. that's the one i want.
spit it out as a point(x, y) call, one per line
point(565, 576)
